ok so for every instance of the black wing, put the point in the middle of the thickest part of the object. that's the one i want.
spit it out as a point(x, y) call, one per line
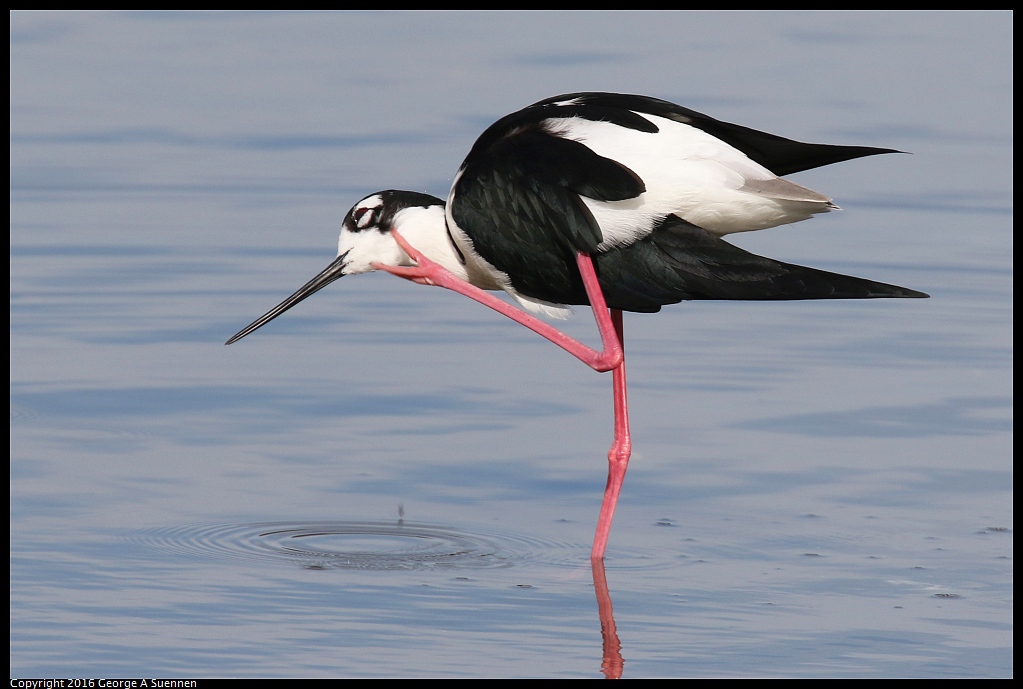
point(518, 200)
point(680, 261)
point(779, 155)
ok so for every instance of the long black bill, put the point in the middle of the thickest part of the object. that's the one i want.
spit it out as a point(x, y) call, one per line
point(329, 274)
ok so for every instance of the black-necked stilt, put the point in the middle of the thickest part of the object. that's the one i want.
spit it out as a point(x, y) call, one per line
point(614, 201)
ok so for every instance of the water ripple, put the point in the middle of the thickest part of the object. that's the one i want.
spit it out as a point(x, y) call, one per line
point(371, 546)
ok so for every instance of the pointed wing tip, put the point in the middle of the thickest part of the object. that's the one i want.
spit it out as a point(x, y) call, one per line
point(867, 151)
point(896, 292)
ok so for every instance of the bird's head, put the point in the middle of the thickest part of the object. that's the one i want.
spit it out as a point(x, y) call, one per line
point(366, 240)
point(366, 232)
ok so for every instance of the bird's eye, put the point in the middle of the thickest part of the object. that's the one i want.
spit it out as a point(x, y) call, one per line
point(365, 217)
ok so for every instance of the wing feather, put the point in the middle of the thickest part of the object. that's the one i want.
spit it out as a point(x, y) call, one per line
point(518, 202)
point(680, 261)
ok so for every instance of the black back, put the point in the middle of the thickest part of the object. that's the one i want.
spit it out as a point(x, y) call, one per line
point(517, 198)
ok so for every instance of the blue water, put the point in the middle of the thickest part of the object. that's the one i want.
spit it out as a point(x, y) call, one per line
point(393, 481)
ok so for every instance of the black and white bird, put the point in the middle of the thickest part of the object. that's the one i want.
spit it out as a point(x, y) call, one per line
point(602, 199)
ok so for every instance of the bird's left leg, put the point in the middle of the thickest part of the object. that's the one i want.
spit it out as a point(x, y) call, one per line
point(428, 272)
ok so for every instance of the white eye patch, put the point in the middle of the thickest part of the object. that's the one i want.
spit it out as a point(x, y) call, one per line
point(365, 217)
point(367, 212)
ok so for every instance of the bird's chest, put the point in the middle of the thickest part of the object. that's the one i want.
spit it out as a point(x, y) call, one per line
point(519, 264)
point(480, 272)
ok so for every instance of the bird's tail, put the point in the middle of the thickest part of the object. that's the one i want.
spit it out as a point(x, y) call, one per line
point(680, 261)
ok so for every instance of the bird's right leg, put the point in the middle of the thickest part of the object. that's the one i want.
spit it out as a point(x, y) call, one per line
point(619, 454)
point(428, 272)
point(609, 323)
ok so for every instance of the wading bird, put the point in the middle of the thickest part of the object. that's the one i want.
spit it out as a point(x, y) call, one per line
point(614, 201)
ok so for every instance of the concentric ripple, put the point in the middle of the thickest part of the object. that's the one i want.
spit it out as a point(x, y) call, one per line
point(351, 545)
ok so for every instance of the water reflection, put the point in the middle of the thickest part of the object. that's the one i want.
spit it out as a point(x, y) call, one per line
point(613, 664)
point(379, 546)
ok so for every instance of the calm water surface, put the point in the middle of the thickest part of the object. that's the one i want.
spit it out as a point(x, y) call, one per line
point(391, 480)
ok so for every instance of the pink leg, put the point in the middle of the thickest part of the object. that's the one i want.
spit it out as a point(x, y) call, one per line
point(429, 273)
point(618, 455)
point(612, 358)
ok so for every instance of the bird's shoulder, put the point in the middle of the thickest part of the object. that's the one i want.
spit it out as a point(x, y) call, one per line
point(523, 178)
point(526, 175)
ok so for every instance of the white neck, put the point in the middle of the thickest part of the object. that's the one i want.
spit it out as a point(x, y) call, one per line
point(426, 230)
